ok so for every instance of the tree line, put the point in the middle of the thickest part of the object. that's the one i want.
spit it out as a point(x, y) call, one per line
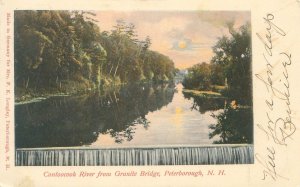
point(61, 50)
point(229, 67)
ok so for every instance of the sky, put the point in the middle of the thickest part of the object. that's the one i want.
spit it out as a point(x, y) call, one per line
point(186, 37)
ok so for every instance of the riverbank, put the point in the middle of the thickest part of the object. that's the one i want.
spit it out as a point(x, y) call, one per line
point(23, 96)
point(197, 93)
point(31, 97)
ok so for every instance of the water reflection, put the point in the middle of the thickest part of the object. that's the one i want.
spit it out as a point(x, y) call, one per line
point(204, 104)
point(174, 124)
point(132, 115)
point(234, 124)
point(78, 120)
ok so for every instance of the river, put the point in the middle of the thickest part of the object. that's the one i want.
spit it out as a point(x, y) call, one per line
point(133, 115)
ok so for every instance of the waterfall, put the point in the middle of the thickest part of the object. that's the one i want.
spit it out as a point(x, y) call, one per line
point(191, 155)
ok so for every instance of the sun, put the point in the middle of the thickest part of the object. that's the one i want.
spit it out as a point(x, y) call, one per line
point(182, 44)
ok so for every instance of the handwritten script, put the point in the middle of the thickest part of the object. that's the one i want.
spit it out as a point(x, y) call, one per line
point(279, 126)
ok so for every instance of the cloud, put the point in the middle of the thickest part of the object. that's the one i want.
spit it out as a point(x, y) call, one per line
point(186, 44)
point(221, 18)
point(184, 36)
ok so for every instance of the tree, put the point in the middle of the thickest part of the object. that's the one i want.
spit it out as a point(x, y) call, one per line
point(199, 77)
point(234, 56)
point(130, 59)
point(65, 50)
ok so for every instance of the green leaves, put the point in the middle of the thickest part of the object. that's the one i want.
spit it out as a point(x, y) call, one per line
point(231, 62)
point(199, 77)
point(55, 48)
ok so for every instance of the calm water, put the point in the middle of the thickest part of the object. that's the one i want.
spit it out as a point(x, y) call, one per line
point(130, 116)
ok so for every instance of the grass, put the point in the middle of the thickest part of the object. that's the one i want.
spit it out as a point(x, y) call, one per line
point(202, 93)
point(218, 87)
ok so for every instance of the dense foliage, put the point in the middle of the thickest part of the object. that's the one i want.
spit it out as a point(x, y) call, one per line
point(230, 68)
point(234, 125)
point(65, 51)
point(199, 77)
point(231, 65)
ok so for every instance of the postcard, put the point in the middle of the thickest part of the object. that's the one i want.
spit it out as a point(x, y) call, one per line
point(149, 93)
